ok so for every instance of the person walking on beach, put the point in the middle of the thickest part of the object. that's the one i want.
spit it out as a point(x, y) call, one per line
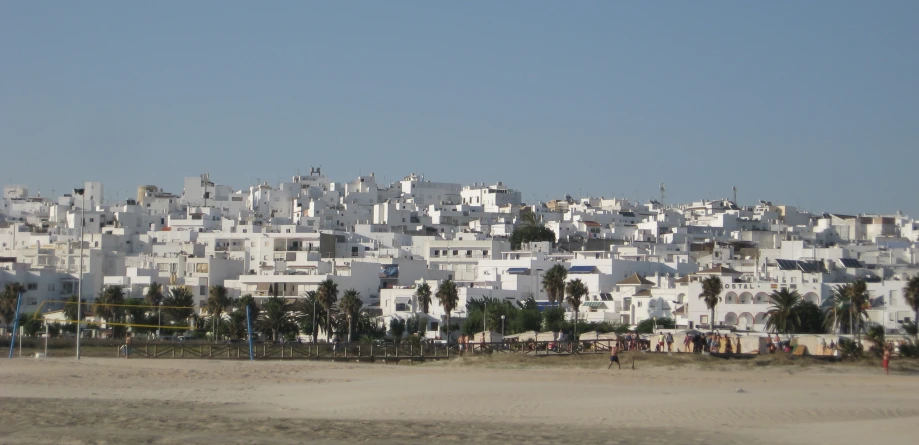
point(687, 340)
point(614, 357)
point(669, 342)
point(886, 361)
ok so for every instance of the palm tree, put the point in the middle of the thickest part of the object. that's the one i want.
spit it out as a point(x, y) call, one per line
point(70, 308)
point(553, 282)
point(859, 302)
point(576, 290)
point(911, 294)
point(448, 297)
point(306, 317)
point(782, 315)
point(711, 289)
point(327, 295)
point(154, 295)
point(276, 316)
point(423, 293)
point(837, 319)
point(350, 305)
point(108, 304)
point(179, 305)
point(218, 301)
point(8, 300)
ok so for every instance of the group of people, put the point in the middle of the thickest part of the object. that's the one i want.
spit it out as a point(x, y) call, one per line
point(699, 343)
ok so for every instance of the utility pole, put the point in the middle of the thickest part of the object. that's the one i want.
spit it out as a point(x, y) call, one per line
point(82, 193)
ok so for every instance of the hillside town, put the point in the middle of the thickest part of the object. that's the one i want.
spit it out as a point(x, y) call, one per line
point(637, 261)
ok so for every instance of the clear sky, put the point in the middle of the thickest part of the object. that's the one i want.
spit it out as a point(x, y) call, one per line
point(809, 103)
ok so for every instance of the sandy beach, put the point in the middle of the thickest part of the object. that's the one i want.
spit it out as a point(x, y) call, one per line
point(99, 401)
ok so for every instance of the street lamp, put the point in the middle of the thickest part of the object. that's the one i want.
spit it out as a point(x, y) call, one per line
point(159, 320)
point(502, 325)
point(82, 193)
point(655, 323)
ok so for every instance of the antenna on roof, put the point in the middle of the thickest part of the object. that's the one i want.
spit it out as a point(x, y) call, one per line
point(663, 193)
point(734, 189)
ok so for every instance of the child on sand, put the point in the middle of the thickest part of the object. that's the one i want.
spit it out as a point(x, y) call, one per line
point(886, 362)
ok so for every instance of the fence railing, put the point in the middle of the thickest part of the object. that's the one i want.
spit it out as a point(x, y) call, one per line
point(364, 351)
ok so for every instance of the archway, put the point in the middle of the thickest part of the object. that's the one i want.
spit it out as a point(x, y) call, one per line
point(812, 297)
point(760, 318)
point(730, 298)
point(746, 319)
point(730, 319)
point(761, 298)
point(746, 298)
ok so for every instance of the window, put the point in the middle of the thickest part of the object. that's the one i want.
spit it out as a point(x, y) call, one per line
point(202, 290)
point(436, 253)
point(456, 253)
point(468, 253)
point(703, 319)
point(202, 268)
point(32, 286)
point(485, 253)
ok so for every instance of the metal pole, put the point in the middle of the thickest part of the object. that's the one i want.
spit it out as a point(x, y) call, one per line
point(15, 327)
point(249, 328)
point(46, 338)
point(315, 331)
point(80, 285)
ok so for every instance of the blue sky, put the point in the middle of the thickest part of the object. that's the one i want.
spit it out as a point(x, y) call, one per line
point(807, 103)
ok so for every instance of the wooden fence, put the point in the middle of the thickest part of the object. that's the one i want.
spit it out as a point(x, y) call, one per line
point(360, 351)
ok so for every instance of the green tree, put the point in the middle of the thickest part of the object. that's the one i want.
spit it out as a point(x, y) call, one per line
point(135, 312)
point(529, 234)
point(423, 293)
point(30, 322)
point(276, 317)
point(304, 308)
point(246, 301)
point(711, 289)
point(837, 318)
point(448, 297)
point(576, 291)
point(218, 301)
point(859, 303)
point(811, 318)
point(528, 317)
point(70, 308)
point(327, 296)
point(350, 305)
point(8, 300)
point(553, 282)
point(647, 325)
point(911, 294)
point(397, 328)
point(553, 319)
point(179, 305)
point(236, 325)
point(154, 294)
point(782, 316)
point(875, 336)
point(109, 305)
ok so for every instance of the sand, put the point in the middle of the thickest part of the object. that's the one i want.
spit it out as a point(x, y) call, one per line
point(98, 401)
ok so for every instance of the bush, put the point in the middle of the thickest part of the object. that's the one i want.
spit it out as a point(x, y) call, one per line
point(850, 349)
point(909, 349)
point(647, 326)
